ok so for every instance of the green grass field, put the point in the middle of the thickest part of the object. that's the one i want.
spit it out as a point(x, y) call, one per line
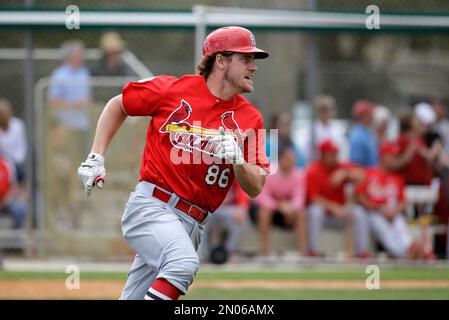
point(312, 273)
point(318, 294)
point(203, 287)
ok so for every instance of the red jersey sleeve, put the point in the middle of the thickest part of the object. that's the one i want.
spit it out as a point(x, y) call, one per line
point(254, 147)
point(143, 97)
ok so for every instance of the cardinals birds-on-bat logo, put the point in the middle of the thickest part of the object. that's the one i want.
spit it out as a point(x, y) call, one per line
point(189, 137)
point(180, 115)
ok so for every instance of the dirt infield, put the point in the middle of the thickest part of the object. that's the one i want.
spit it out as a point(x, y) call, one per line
point(110, 289)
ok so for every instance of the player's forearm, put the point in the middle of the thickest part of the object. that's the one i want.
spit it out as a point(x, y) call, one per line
point(363, 200)
point(356, 175)
point(250, 178)
point(110, 121)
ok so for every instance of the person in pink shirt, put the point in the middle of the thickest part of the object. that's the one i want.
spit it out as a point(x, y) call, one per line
point(282, 201)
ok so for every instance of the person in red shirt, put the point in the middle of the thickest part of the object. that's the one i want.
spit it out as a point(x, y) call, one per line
point(232, 219)
point(12, 197)
point(326, 198)
point(382, 197)
point(202, 136)
point(415, 160)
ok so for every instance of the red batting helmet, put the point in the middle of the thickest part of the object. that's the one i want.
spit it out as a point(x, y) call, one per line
point(232, 39)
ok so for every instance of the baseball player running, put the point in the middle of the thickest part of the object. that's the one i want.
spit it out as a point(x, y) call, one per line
point(203, 134)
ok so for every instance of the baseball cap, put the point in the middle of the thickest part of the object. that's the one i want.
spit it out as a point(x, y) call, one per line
point(425, 113)
point(232, 39)
point(381, 114)
point(327, 146)
point(362, 107)
point(389, 148)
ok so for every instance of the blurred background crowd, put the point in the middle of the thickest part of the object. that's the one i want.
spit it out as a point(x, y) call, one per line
point(369, 193)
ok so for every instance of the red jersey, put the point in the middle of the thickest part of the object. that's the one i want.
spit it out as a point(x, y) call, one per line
point(318, 182)
point(417, 170)
point(382, 187)
point(178, 155)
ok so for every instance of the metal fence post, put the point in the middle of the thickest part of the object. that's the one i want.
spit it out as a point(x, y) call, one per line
point(200, 33)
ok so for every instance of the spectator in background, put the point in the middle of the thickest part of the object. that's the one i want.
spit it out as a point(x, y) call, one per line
point(70, 99)
point(381, 122)
point(437, 131)
point(442, 123)
point(282, 122)
point(433, 139)
point(416, 161)
point(13, 141)
point(325, 107)
point(326, 199)
point(282, 201)
point(232, 219)
point(111, 63)
point(70, 92)
point(382, 197)
point(325, 126)
point(12, 201)
point(362, 139)
point(422, 159)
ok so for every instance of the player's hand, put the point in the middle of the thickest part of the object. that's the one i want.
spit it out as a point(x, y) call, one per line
point(227, 148)
point(339, 176)
point(92, 172)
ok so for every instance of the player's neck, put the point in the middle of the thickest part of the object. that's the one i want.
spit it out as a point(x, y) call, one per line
point(219, 88)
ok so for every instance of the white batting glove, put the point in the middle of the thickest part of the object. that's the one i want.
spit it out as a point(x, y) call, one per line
point(227, 148)
point(92, 172)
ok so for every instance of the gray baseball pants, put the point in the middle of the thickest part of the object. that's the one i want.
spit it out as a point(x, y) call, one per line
point(165, 239)
point(317, 217)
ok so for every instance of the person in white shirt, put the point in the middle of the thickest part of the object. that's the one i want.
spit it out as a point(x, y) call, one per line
point(13, 140)
point(325, 111)
point(325, 127)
